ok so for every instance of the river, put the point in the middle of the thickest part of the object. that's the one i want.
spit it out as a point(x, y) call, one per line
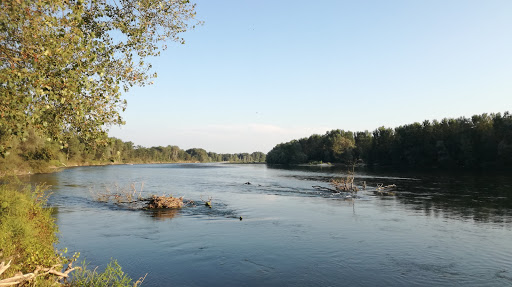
point(439, 230)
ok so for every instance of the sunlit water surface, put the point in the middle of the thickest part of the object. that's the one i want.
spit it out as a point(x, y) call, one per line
point(439, 230)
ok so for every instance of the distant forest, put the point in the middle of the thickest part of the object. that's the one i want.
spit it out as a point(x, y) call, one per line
point(482, 141)
point(36, 153)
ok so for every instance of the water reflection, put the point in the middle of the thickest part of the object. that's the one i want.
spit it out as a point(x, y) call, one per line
point(163, 214)
point(468, 197)
point(47, 178)
point(485, 198)
point(292, 234)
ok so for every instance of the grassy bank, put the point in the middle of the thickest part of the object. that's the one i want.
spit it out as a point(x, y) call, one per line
point(28, 234)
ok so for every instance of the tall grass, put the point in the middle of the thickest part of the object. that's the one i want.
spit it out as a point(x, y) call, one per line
point(113, 275)
point(27, 238)
point(27, 230)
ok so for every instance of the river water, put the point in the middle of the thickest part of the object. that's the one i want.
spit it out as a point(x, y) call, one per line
point(439, 230)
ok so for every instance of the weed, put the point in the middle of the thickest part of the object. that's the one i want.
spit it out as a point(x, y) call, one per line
point(113, 275)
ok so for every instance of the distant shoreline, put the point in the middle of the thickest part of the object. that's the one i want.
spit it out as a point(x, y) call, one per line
point(53, 169)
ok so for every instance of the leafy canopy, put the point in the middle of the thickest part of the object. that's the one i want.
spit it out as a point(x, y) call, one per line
point(63, 64)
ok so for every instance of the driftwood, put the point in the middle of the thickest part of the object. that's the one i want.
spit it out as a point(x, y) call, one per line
point(132, 198)
point(164, 202)
point(40, 271)
point(388, 190)
point(344, 184)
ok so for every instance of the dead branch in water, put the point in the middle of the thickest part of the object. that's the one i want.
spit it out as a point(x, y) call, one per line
point(119, 194)
point(207, 203)
point(345, 184)
point(388, 190)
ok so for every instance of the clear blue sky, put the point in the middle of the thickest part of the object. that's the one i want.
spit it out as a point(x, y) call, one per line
point(263, 72)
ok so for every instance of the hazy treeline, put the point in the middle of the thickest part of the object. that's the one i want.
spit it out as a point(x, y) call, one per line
point(129, 153)
point(482, 141)
point(37, 153)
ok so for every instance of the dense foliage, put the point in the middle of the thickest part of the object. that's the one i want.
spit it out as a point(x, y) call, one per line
point(483, 141)
point(63, 64)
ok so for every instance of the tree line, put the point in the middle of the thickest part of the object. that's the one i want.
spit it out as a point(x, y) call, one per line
point(482, 141)
point(38, 153)
point(117, 151)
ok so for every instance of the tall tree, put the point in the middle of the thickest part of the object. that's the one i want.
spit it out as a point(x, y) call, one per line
point(63, 64)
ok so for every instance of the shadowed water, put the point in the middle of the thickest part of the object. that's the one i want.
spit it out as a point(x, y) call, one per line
point(440, 230)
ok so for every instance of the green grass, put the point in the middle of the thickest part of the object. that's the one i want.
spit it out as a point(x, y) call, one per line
point(27, 230)
point(28, 237)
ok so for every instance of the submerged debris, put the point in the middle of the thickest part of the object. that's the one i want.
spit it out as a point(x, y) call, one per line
point(344, 184)
point(341, 185)
point(158, 206)
point(348, 190)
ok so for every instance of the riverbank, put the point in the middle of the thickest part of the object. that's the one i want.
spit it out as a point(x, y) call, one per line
point(28, 234)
